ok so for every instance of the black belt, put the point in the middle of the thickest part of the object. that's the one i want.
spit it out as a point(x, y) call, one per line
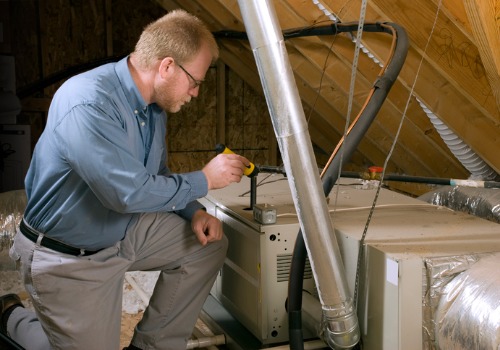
point(51, 243)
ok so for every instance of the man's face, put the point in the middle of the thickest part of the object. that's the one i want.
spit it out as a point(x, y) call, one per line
point(183, 84)
point(170, 95)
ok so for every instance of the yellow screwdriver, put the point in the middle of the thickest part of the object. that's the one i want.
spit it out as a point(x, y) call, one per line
point(250, 171)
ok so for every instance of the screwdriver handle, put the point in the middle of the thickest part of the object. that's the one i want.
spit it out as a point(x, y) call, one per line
point(250, 170)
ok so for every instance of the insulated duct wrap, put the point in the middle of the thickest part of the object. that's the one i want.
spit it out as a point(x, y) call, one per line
point(468, 313)
point(439, 271)
point(481, 202)
point(12, 205)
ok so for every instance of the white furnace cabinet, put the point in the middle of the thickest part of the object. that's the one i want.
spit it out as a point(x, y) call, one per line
point(411, 250)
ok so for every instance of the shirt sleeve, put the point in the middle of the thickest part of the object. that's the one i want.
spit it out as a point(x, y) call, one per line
point(188, 212)
point(192, 207)
point(96, 144)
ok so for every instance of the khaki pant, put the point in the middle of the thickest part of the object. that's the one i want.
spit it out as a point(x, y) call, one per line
point(78, 300)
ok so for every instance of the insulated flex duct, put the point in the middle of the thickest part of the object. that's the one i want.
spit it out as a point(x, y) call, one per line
point(468, 313)
point(266, 39)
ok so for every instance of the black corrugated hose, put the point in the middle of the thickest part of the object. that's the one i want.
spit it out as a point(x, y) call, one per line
point(346, 146)
point(330, 175)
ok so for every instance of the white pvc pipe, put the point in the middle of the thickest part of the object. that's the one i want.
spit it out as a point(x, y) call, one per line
point(206, 342)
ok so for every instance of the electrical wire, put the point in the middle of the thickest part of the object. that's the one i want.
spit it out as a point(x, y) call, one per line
point(399, 206)
point(348, 142)
point(354, 71)
point(367, 100)
point(370, 215)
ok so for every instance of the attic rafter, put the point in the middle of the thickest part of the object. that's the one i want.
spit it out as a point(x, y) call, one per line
point(484, 17)
point(337, 78)
point(463, 101)
point(450, 92)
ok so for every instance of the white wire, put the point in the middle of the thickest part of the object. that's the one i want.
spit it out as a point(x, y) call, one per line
point(427, 205)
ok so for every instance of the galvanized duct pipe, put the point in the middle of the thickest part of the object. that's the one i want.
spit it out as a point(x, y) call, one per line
point(266, 39)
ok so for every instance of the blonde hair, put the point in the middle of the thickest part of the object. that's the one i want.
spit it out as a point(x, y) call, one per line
point(178, 34)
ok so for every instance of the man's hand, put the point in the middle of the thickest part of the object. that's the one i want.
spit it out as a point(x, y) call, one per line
point(225, 169)
point(206, 227)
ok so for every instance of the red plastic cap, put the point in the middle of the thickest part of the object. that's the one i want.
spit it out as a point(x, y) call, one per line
point(376, 169)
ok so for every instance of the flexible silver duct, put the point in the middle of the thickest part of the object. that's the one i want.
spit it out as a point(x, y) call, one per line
point(12, 204)
point(468, 313)
point(266, 39)
point(482, 202)
point(469, 159)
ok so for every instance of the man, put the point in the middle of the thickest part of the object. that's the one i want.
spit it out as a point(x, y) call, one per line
point(101, 201)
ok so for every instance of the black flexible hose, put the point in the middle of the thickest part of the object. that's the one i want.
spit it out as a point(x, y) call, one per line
point(331, 29)
point(381, 89)
point(347, 148)
point(427, 180)
point(295, 285)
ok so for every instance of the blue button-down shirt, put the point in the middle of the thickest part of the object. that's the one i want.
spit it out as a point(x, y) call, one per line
point(101, 161)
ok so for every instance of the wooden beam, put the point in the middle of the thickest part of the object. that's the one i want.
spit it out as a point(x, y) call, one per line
point(484, 17)
point(220, 131)
point(446, 83)
point(420, 154)
point(418, 139)
point(455, 12)
point(448, 50)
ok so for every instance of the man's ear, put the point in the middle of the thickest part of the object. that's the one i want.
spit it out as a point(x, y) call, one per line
point(166, 67)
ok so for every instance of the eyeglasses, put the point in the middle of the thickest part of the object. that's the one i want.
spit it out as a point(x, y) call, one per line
point(196, 82)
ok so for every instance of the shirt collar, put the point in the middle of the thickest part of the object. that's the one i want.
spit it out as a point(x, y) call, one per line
point(134, 97)
point(131, 91)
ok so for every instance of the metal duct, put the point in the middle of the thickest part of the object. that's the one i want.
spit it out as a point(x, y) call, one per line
point(481, 202)
point(12, 204)
point(468, 314)
point(266, 39)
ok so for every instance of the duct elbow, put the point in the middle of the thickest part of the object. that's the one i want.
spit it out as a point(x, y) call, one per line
point(340, 328)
